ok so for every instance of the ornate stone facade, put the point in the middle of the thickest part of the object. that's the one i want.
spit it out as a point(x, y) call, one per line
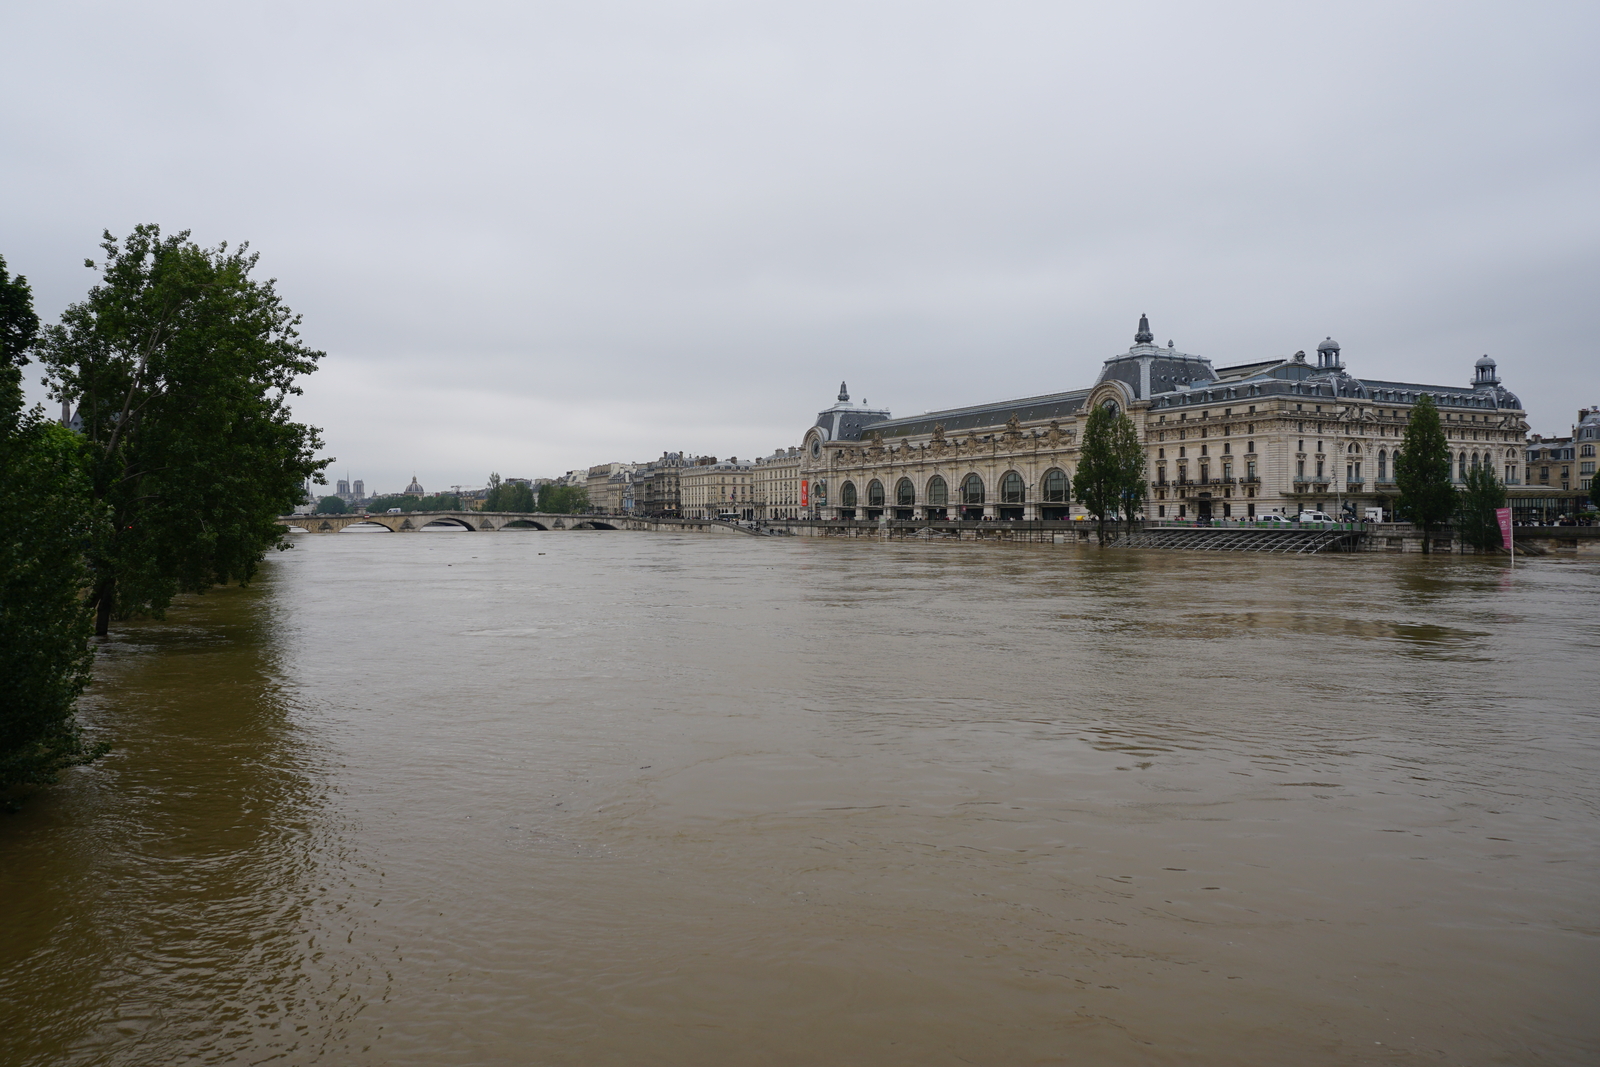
point(1279, 435)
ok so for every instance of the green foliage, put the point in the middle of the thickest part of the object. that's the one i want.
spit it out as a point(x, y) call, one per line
point(18, 322)
point(331, 505)
point(1476, 522)
point(508, 496)
point(1422, 472)
point(182, 366)
point(1594, 490)
point(45, 654)
point(1111, 466)
point(563, 499)
point(436, 502)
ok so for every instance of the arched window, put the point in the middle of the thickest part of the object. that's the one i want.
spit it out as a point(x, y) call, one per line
point(1474, 461)
point(847, 495)
point(904, 493)
point(874, 494)
point(1012, 488)
point(972, 489)
point(938, 492)
point(1461, 466)
point(1383, 465)
point(1056, 487)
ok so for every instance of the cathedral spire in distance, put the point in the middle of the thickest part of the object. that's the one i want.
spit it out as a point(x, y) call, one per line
point(1144, 336)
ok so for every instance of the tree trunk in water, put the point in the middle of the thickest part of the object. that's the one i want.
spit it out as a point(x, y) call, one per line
point(102, 615)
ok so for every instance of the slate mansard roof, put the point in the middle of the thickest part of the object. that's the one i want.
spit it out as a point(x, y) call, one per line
point(955, 420)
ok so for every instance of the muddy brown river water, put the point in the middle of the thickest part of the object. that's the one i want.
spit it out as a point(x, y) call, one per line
point(635, 799)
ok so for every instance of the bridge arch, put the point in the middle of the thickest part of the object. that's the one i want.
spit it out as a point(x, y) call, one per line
point(441, 521)
point(364, 525)
point(592, 524)
point(524, 524)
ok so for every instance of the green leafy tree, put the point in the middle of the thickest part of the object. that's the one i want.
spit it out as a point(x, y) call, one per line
point(508, 496)
point(563, 499)
point(1594, 490)
point(182, 366)
point(45, 654)
point(1111, 462)
point(1476, 521)
point(1422, 472)
point(331, 505)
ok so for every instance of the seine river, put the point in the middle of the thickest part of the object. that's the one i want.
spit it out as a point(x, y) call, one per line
point(637, 799)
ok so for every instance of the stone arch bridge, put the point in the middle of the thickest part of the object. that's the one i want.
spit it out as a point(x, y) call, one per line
point(501, 520)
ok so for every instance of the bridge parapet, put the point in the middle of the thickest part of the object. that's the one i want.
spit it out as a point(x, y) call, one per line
point(411, 521)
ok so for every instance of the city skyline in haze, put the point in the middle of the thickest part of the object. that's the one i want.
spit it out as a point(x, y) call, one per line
point(536, 239)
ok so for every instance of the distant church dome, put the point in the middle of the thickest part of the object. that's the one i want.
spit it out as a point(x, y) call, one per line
point(1485, 362)
point(1330, 345)
point(415, 488)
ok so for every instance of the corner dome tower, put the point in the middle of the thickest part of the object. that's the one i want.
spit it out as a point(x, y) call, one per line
point(1484, 374)
point(1328, 356)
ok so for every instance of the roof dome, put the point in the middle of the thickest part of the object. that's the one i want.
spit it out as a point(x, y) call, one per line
point(1330, 345)
point(415, 486)
point(1484, 362)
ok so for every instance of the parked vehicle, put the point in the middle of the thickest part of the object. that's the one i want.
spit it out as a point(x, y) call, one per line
point(1316, 516)
point(1374, 515)
point(1272, 519)
point(393, 511)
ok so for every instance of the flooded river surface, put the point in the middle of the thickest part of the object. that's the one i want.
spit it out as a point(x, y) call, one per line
point(636, 799)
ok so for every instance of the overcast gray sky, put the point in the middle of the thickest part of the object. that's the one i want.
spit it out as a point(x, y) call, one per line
point(537, 236)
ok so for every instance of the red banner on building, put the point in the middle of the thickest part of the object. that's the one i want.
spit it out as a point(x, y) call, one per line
point(805, 492)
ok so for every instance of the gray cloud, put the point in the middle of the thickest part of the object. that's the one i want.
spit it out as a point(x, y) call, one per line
point(533, 237)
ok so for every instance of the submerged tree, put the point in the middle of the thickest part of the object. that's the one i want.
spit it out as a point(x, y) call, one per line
point(1111, 464)
point(1422, 472)
point(45, 654)
point(182, 366)
point(1476, 521)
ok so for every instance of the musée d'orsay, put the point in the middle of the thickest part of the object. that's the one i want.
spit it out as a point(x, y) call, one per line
point(1279, 435)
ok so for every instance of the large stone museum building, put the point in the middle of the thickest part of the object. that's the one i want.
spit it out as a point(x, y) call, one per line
point(1279, 435)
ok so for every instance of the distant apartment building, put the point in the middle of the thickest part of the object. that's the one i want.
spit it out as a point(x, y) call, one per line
point(718, 489)
point(777, 481)
point(1558, 471)
point(655, 486)
point(609, 485)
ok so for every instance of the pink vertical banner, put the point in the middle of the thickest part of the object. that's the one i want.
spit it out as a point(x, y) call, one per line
point(1504, 515)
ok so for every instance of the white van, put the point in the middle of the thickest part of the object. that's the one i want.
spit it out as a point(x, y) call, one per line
point(1316, 516)
point(1272, 518)
point(393, 511)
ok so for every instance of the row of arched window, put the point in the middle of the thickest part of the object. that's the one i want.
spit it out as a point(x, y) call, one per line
point(1484, 460)
point(1055, 486)
point(1463, 460)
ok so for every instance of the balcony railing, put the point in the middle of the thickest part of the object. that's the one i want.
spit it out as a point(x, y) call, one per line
point(1354, 487)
